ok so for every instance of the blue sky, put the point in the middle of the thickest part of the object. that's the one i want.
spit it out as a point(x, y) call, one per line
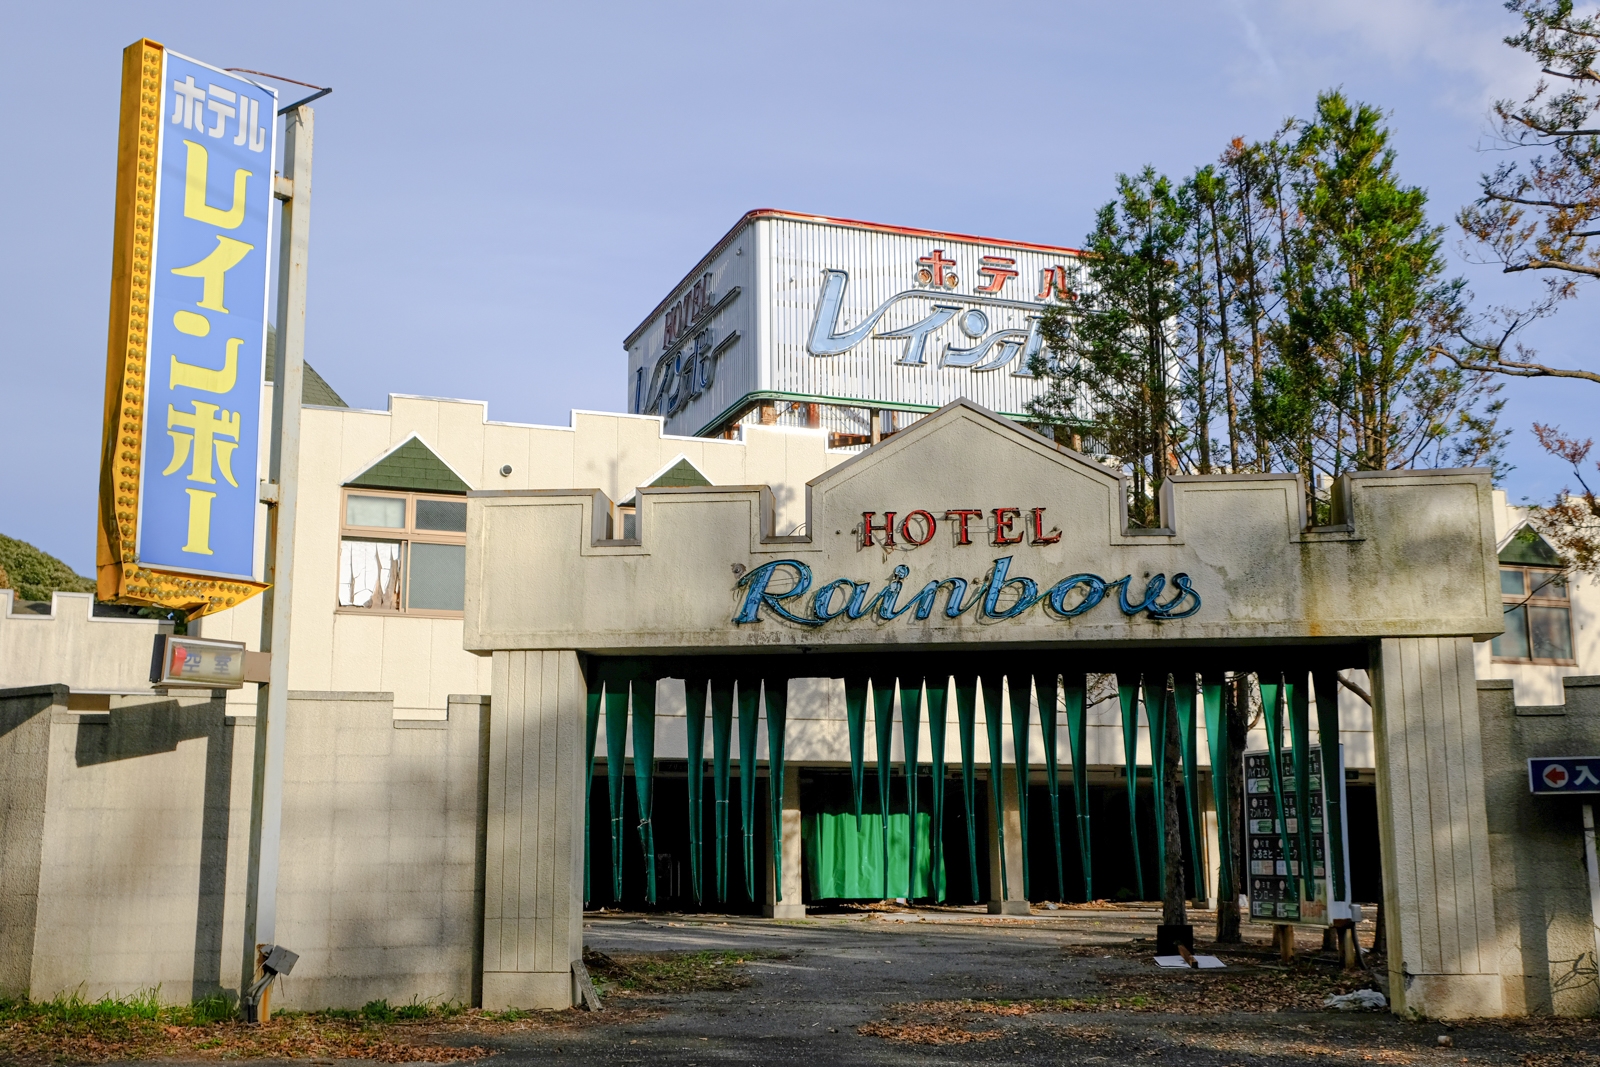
point(503, 191)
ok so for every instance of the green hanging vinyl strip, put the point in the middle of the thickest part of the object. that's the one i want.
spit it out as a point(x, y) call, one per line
point(616, 753)
point(1075, 695)
point(966, 720)
point(911, 741)
point(1128, 699)
point(993, 709)
point(749, 721)
point(694, 707)
point(1272, 718)
point(1045, 686)
point(721, 777)
point(1221, 760)
point(1326, 683)
point(1021, 725)
point(1299, 702)
point(776, 690)
point(595, 688)
point(1188, 742)
point(938, 688)
point(855, 710)
point(644, 779)
point(883, 723)
point(1158, 713)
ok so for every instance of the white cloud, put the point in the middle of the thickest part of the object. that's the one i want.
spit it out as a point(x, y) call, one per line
point(1455, 43)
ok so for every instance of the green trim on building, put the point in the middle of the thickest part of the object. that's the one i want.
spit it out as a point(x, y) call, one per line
point(413, 467)
point(681, 473)
point(1526, 548)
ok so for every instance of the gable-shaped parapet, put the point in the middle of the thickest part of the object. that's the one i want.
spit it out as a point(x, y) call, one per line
point(968, 529)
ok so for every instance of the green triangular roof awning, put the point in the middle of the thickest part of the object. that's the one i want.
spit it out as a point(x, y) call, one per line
point(414, 467)
point(1528, 549)
point(680, 473)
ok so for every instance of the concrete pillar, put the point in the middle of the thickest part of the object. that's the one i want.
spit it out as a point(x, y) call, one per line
point(792, 906)
point(1438, 903)
point(1011, 901)
point(25, 716)
point(1213, 848)
point(533, 883)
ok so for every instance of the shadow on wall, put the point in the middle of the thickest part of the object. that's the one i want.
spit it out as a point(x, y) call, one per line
point(159, 726)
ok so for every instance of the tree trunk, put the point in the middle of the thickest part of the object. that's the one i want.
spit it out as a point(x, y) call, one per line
point(1237, 715)
point(1173, 910)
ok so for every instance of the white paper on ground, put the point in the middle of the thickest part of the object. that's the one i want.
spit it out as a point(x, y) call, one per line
point(1209, 962)
point(1171, 961)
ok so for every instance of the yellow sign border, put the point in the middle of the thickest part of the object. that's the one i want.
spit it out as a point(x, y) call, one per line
point(119, 578)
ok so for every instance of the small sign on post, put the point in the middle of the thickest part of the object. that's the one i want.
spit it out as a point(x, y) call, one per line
point(194, 663)
point(1549, 775)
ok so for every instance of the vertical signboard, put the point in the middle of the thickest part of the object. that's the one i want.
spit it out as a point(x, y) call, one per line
point(187, 343)
point(1272, 893)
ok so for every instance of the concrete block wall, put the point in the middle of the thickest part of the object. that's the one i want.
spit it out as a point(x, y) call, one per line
point(381, 883)
point(124, 837)
point(1541, 887)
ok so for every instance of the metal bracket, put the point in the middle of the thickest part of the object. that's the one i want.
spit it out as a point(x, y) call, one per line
point(282, 188)
point(268, 493)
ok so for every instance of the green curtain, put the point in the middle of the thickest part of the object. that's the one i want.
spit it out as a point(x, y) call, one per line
point(1272, 718)
point(694, 703)
point(777, 700)
point(911, 741)
point(721, 778)
point(883, 723)
point(749, 720)
point(1045, 686)
point(1326, 682)
point(591, 724)
point(1188, 742)
point(993, 709)
point(938, 697)
point(1128, 698)
point(1158, 712)
point(846, 857)
point(1222, 756)
point(1299, 701)
point(1075, 694)
point(966, 719)
point(644, 780)
point(855, 709)
point(1021, 723)
point(616, 753)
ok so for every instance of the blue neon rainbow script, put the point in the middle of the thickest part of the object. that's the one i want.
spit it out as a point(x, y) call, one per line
point(848, 599)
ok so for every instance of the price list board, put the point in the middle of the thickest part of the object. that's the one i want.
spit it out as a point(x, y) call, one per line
point(1272, 895)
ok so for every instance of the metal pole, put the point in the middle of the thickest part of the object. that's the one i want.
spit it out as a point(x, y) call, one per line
point(279, 493)
point(1594, 874)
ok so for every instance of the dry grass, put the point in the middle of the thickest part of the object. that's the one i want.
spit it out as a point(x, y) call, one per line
point(70, 1030)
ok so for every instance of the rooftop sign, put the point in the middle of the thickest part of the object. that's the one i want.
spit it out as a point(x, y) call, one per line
point(805, 309)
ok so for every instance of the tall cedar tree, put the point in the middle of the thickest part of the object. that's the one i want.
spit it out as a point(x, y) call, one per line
point(1113, 361)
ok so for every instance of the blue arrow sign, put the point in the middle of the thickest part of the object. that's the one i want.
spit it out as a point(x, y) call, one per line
point(1550, 775)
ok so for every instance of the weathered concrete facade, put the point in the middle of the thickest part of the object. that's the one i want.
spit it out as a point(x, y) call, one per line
point(1546, 952)
point(1401, 587)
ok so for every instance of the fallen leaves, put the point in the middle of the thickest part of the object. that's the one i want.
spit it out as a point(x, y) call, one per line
point(926, 1033)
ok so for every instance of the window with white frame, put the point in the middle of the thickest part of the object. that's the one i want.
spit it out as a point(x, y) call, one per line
point(403, 553)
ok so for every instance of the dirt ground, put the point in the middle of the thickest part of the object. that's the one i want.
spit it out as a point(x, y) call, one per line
point(888, 986)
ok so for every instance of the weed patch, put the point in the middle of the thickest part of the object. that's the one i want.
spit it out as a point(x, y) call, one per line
point(659, 973)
